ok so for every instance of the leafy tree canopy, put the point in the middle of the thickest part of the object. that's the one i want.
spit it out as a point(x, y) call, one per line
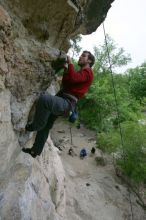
point(137, 79)
point(118, 58)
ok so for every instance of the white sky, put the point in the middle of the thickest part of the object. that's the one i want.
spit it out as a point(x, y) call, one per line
point(126, 24)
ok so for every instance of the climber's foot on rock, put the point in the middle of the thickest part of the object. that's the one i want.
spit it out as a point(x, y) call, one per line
point(29, 151)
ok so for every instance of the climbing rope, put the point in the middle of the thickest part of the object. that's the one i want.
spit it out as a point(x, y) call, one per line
point(71, 134)
point(114, 90)
point(117, 110)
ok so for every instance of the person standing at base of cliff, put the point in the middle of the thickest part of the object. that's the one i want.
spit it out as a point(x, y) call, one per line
point(49, 107)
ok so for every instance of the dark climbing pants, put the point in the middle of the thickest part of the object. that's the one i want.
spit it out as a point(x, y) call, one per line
point(48, 108)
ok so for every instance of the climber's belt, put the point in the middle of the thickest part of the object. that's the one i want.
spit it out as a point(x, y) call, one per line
point(70, 97)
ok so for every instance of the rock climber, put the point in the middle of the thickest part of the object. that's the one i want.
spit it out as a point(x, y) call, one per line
point(74, 86)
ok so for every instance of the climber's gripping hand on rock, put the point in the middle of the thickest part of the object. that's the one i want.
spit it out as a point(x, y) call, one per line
point(67, 62)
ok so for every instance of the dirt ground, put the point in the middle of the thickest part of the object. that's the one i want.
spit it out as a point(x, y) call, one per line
point(93, 191)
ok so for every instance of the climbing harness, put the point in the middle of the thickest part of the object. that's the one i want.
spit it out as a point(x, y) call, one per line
point(118, 112)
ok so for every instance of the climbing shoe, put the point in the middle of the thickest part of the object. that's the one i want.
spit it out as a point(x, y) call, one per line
point(29, 151)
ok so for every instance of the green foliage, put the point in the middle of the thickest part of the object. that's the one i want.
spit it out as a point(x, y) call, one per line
point(137, 80)
point(118, 57)
point(100, 98)
point(132, 159)
point(108, 141)
point(103, 114)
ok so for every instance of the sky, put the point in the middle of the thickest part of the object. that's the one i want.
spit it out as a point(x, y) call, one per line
point(126, 25)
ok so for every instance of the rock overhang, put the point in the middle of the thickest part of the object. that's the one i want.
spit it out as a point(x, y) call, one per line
point(56, 21)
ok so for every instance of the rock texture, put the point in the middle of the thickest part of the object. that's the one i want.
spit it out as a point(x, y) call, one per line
point(57, 21)
point(34, 189)
point(32, 33)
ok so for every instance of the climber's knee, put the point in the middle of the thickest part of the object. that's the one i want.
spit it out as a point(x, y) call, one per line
point(45, 99)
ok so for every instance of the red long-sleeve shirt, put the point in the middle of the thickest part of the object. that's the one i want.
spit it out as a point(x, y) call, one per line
point(77, 83)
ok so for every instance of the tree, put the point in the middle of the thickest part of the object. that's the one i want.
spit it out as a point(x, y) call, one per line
point(118, 57)
point(137, 78)
point(103, 114)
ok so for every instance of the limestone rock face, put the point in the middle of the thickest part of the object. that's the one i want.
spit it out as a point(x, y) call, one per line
point(57, 21)
point(32, 33)
point(34, 189)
